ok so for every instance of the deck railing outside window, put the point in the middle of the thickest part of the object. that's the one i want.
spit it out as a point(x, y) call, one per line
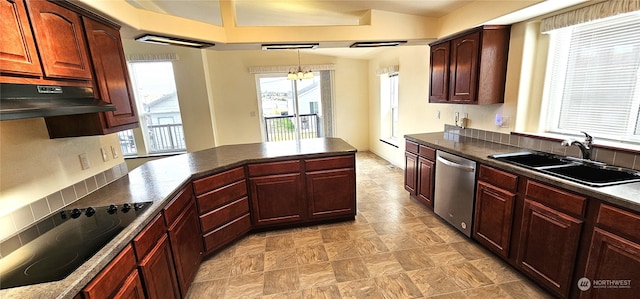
point(166, 138)
point(279, 128)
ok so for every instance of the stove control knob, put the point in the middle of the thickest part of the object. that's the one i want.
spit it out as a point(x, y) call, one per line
point(112, 209)
point(126, 207)
point(90, 211)
point(63, 215)
point(138, 206)
point(75, 213)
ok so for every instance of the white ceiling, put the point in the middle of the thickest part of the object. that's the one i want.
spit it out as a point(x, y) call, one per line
point(296, 12)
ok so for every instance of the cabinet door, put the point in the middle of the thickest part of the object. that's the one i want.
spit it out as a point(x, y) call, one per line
point(331, 193)
point(113, 277)
point(111, 75)
point(410, 173)
point(277, 199)
point(61, 42)
point(17, 50)
point(548, 246)
point(612, 257)
point(425, 181)
point(463, 76)
point(439, 73)
point(494, 218)
point(158, 271)
point(132, 288)
point(186, 245)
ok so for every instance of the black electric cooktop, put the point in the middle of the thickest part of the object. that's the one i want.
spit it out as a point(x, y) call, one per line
point(75, 237)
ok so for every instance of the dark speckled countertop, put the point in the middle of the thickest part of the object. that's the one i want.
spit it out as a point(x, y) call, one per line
point(624, 195)
point(158, 181)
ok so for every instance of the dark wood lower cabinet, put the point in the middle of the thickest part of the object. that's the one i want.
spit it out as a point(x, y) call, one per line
point(494, 218)
point(277, 199)
point(186, 245)
point(411, 173)
point(331, 193)
point(132, 288)
point(548, 246)
point(119, 279)
point(426, 175)
point(159, 273)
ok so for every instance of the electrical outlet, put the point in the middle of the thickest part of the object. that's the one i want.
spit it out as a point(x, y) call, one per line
point(438, 114)
point(114, 152)
point(105, 157)
point(84, 161)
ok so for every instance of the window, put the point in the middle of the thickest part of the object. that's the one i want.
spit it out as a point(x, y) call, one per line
point(298, 109)
point(158, 109)
point(389, 105)
point(594, 79)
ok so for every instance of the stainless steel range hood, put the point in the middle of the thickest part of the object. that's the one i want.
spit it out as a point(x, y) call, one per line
point(18, 101)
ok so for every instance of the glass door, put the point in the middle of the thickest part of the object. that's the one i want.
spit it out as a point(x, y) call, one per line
point(290, 109)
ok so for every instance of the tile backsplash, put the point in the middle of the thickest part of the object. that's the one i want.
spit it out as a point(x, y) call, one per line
point(620, 158)
point(17, 226)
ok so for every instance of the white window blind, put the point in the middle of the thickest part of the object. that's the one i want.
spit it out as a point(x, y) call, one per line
point(594, 83)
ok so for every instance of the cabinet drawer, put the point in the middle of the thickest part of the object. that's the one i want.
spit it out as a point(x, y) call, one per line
point(147, 238)
point(227, 233)
point(498, 178)
point(217, 180)
point(330, 163)
point(620, 222)
point(221, 196)
point(411, 147)
point(274, 168)
point(224, 214)
point(179, 202)
point(427, 152)
point(556, 198)
point(112, 276)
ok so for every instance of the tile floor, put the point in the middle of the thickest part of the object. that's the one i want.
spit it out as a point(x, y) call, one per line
point(395, 248)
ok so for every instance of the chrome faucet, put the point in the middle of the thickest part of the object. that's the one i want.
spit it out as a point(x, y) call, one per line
point(585, 147)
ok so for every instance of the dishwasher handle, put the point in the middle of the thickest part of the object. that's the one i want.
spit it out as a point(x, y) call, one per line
point(456, 165)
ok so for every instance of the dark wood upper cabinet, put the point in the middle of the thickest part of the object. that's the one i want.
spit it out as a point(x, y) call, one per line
point(470, 67)
point(111, 75)
point(18, 54)
point(60, 39)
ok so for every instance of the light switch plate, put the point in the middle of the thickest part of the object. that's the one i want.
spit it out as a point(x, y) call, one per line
point(114, 152)
point(84, 161)
point(105, 157)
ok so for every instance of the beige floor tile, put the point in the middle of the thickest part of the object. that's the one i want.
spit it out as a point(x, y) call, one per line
point(247, 264)
point(316, 275)
point(214, 268)
point(431, 220)
point(360, 230)
point(287, 295)
point(279, 242)
point(397, 286)
point(357, 289)
point(466, 276)
point(456, 295)
point(425, 237)
point(208, 289)
point(433, 281)
point(326, 292)
point(413, 259)
point(250, 246)
point(370, 245)
point(311, 254)
point(245, 286)
point(490, 291)
point(307, 238)
point(497, 271)
point(471, 251)
point(341, 250)
point(281, 281)
point(525, 290)
point(396, 242)
point(444, 254)
point(350, 269)
point(279, 259)
point(336, 234)
point(449, 234)
point(382, 264)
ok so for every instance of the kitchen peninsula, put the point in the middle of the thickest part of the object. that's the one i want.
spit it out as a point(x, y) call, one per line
point(221, 194)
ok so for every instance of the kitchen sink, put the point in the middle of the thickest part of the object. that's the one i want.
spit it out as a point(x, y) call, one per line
point(591, 173)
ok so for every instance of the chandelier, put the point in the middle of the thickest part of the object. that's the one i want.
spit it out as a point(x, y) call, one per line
point(300, 73)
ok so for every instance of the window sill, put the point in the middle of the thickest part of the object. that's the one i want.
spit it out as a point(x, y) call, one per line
point(155, 155)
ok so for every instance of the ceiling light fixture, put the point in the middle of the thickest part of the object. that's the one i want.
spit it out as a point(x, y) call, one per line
point(377, 44)
point(164, 40)
point(288, 46)
point(299, 73)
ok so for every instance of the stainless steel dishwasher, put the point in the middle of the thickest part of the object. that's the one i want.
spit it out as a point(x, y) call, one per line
point(455, 190)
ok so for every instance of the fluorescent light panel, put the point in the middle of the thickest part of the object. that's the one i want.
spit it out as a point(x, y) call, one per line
point(288, 46)
point(376, 44)
point(164, 40)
